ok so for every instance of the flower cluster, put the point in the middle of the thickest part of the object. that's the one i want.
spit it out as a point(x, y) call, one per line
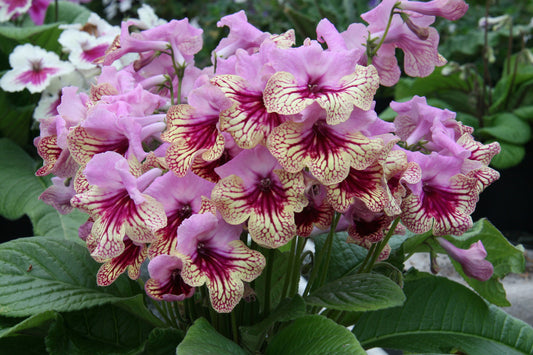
point(193, 168)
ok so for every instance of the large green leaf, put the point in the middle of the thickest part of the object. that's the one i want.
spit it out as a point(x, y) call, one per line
point(440, 316)
point(203, 339)
point(509, 128)
point(344, 256)
point(16, 119)
point(289, 309)
point(100, 330)
point(313, 335)
point(20, 190)
point(360, 292)
point(40, 274)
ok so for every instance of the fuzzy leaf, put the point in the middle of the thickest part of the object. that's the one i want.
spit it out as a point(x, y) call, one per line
point(360, 292)
point(313, 335)
point(202, 338)
point(441, 316)
point(40, 274)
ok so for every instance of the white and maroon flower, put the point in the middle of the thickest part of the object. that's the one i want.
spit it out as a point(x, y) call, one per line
point(118, 205)
point(11, 8)
point(254, 188)
point(472, 260)
point(212, 254)
point(166, 283)
point(83, 48)
point(33, 68)
point(327, 150)
point(332, 79)
point(130, 259)
point(192, 129)
point(443, 199)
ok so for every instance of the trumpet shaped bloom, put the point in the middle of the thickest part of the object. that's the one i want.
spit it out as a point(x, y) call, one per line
point(117, 204)
point(212, 254)
point(472, 260)
point(254, 189)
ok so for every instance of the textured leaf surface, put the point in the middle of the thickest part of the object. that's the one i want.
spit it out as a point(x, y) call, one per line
point(163, 341)
point(39, 274)
point(441, 315)
point(203, 339)
point(20, 190)
point(312, 335)
point(99, 330)
point(362, 292)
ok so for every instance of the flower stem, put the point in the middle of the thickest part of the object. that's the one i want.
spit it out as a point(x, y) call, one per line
point(268, 281)
point(288, 275)
point(381, 245)
point(372, 53)
point(295, 278)
point(234, 328)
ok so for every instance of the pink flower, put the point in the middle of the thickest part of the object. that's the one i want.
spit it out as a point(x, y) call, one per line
point(38, 10)
point(118, 205)
point(212, 254)
point(449, 9)
point(472, 260)
point(254, 188)
point(166, 283)
point(33, 68)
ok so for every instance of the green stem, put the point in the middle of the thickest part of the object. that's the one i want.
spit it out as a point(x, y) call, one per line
point(324, 270)
point(382, 245)
point(327, 245)
point(234, 328)
point(367, 258)
point(268, 281)
point(374, 51)
point(288, 276)
point(295, 278)
point(57, 10)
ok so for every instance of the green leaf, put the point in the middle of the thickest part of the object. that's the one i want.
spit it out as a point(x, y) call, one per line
point(361, 292)
point(163, 341)
point(313, 335)
point(100, 330)
point(505, 258)
point(203, 339)
point(68, 12)
point(509, 128)
point(344, 256)
point(525, 113)
point(37, 320)
point(289, 309)
point(40, 274)
point(22, 33)
point(19, 193)
point(440, 316)
point(509, 156)
point(16, 120)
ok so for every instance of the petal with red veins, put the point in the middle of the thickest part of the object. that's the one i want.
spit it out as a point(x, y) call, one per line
point(83, 145)
point(131, 258)
point(366, 185)
point(191, 133)
point(326, 151)
point(247, 120)
point(445, 208)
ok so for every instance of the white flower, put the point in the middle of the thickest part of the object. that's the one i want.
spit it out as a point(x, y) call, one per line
point(148, 17)
point(10, 8)
point(33, 68)
point(84, 48)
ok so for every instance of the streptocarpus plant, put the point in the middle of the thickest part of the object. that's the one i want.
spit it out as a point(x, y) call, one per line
point(216, 178)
